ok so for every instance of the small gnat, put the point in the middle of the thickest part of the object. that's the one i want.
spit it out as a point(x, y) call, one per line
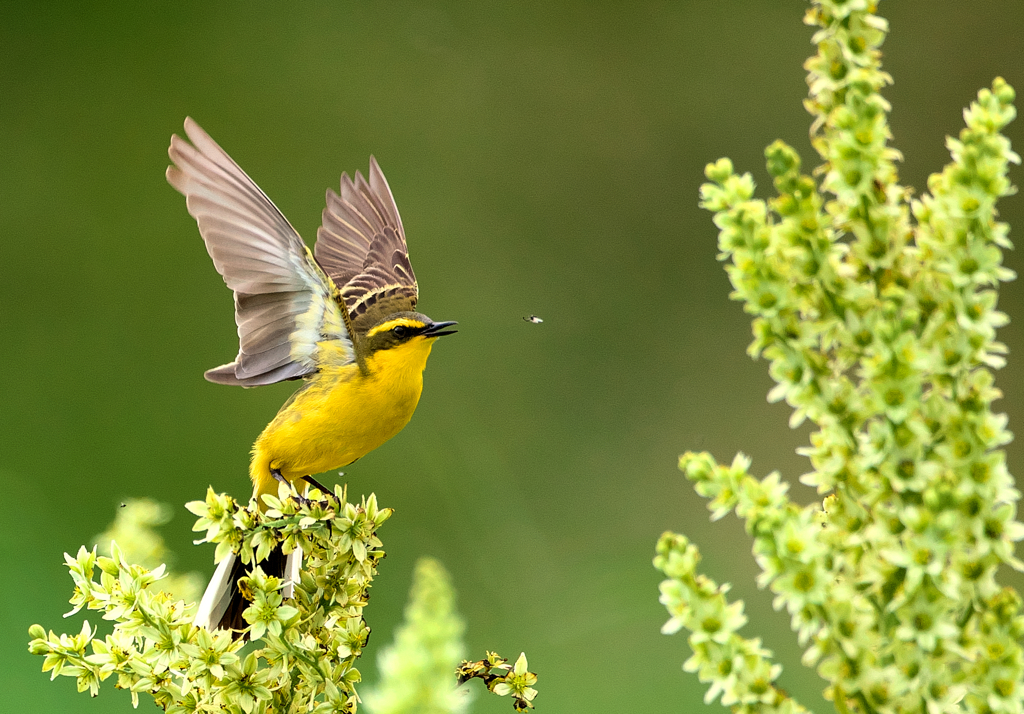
point(534, 319)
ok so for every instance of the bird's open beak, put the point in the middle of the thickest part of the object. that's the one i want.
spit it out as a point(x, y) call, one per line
point(436, 329)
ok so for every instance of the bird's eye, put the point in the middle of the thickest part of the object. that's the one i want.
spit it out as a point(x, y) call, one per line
point(400, 331)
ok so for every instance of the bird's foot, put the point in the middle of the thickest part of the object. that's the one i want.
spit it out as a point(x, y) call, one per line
point(297, 497)
point(323, 489)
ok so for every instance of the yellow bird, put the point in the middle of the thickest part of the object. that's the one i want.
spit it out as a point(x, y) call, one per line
point(341, 317)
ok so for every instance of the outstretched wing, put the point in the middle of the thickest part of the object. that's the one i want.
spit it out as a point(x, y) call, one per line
point(361, 245)
point(288, 319)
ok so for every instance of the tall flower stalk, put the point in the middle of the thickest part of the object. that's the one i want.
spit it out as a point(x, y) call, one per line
point(877, 314)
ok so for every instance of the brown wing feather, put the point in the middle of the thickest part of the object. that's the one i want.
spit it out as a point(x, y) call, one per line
point(284, 303)
point(362, 246)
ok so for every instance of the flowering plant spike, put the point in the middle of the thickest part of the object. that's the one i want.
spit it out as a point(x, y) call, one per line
point(877, 314)
point(303, 650)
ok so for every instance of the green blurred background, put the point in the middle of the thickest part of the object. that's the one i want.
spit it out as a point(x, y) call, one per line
point(546, 159)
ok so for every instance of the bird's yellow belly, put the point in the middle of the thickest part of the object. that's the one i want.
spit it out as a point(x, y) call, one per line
point(338, 417)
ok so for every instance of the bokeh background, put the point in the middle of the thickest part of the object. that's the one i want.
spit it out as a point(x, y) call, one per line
point(546, 159)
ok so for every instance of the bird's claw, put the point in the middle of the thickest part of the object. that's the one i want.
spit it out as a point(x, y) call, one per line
point(302, 500)
point(324, 490)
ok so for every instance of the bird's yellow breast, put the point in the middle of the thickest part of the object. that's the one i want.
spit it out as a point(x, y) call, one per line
point(341, 414)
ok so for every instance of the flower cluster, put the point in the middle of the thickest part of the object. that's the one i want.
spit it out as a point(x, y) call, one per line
point(501, 678)
point(305, 648)
point(134, 531)
point(877, 313)
point(739, 669)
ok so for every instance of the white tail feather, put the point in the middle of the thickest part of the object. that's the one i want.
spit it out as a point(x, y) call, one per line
point(292, 566)
point(217, 596)
point(220, 590)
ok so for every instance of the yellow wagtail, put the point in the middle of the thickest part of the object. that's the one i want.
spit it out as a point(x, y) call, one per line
point(341, 317)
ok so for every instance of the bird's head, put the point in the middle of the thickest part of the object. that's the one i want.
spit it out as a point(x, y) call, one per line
point(404, 328)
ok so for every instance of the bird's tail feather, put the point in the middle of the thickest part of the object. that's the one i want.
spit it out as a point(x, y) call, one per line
point(223, 603)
